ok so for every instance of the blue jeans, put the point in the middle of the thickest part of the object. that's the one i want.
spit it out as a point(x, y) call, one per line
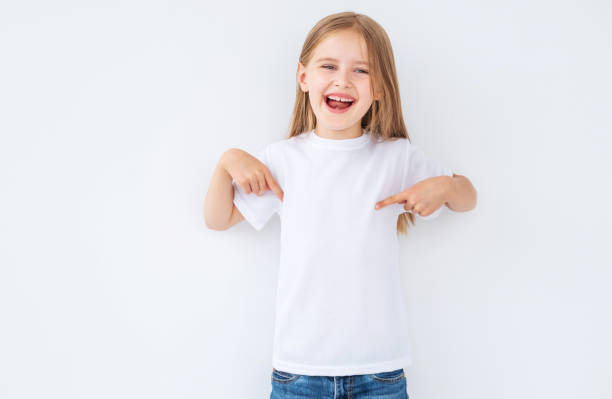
point(384, 385)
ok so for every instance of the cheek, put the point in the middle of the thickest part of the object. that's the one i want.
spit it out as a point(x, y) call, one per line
point(317, 87)
point(316, 100)
point(365, 90)
point(316, 95)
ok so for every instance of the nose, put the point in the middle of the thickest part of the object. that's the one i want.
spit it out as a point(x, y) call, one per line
point(342, 78)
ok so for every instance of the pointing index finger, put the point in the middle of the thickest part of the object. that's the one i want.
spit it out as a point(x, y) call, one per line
point(274, 186)
point(388, 201)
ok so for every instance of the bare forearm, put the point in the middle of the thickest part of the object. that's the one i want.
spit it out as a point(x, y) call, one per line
point(219, 200)
point(462, 196)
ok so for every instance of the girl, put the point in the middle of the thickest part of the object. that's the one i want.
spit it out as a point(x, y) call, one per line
point(339, 182)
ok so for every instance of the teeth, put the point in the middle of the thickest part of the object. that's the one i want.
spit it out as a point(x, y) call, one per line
point(344, 100)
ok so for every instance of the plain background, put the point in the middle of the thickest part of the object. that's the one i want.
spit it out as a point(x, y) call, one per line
point(113, 115)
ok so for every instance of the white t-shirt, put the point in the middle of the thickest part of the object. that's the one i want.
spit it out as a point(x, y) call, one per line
point(339, 301)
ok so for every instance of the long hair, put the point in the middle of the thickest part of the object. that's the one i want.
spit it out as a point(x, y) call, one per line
point(384, 119)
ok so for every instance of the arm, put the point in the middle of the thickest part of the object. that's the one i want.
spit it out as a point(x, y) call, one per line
point(461, 195)
point(220, 213)
point(250, 176)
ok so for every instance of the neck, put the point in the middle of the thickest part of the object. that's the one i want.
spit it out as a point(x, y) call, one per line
point(348, 133)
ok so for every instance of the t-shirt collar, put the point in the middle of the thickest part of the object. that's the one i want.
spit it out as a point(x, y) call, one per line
point(341, 144)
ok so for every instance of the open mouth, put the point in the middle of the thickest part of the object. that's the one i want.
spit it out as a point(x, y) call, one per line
point(337, 104)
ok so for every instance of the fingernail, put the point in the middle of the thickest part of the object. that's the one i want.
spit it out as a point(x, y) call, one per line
point(377, 206)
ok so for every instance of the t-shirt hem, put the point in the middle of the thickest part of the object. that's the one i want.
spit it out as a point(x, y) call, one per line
point(379, 367)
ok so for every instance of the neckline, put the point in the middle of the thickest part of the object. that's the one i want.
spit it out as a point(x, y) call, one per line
point(338, 144)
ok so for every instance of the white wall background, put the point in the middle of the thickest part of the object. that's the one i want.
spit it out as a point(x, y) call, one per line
point(113, 115)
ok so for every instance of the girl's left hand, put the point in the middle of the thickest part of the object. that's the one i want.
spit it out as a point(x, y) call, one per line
point(424, 197)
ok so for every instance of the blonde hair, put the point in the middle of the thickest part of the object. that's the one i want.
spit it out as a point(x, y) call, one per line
point(384, 119)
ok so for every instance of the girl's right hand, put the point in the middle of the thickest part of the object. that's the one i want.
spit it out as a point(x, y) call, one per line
point(250, 173)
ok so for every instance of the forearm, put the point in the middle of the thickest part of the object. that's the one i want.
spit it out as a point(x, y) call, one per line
point(461, 195)
point(219, 200)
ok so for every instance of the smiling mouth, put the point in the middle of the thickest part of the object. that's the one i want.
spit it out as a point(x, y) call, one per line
point(338, 106)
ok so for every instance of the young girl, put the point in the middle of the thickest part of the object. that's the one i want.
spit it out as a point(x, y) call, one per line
point(339, 182)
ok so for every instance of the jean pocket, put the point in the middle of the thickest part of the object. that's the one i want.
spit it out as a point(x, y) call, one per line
point(283, 377)
point(389, 376)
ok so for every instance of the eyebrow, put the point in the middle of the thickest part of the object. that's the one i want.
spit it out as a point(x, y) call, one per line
point(335, 60)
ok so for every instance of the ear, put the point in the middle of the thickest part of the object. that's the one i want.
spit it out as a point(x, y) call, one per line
point(301, 77)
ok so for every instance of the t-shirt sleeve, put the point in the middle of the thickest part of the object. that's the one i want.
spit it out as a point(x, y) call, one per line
point(420, 167)
point(257, 209)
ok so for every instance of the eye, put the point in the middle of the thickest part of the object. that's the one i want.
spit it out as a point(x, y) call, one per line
point(331, 66)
